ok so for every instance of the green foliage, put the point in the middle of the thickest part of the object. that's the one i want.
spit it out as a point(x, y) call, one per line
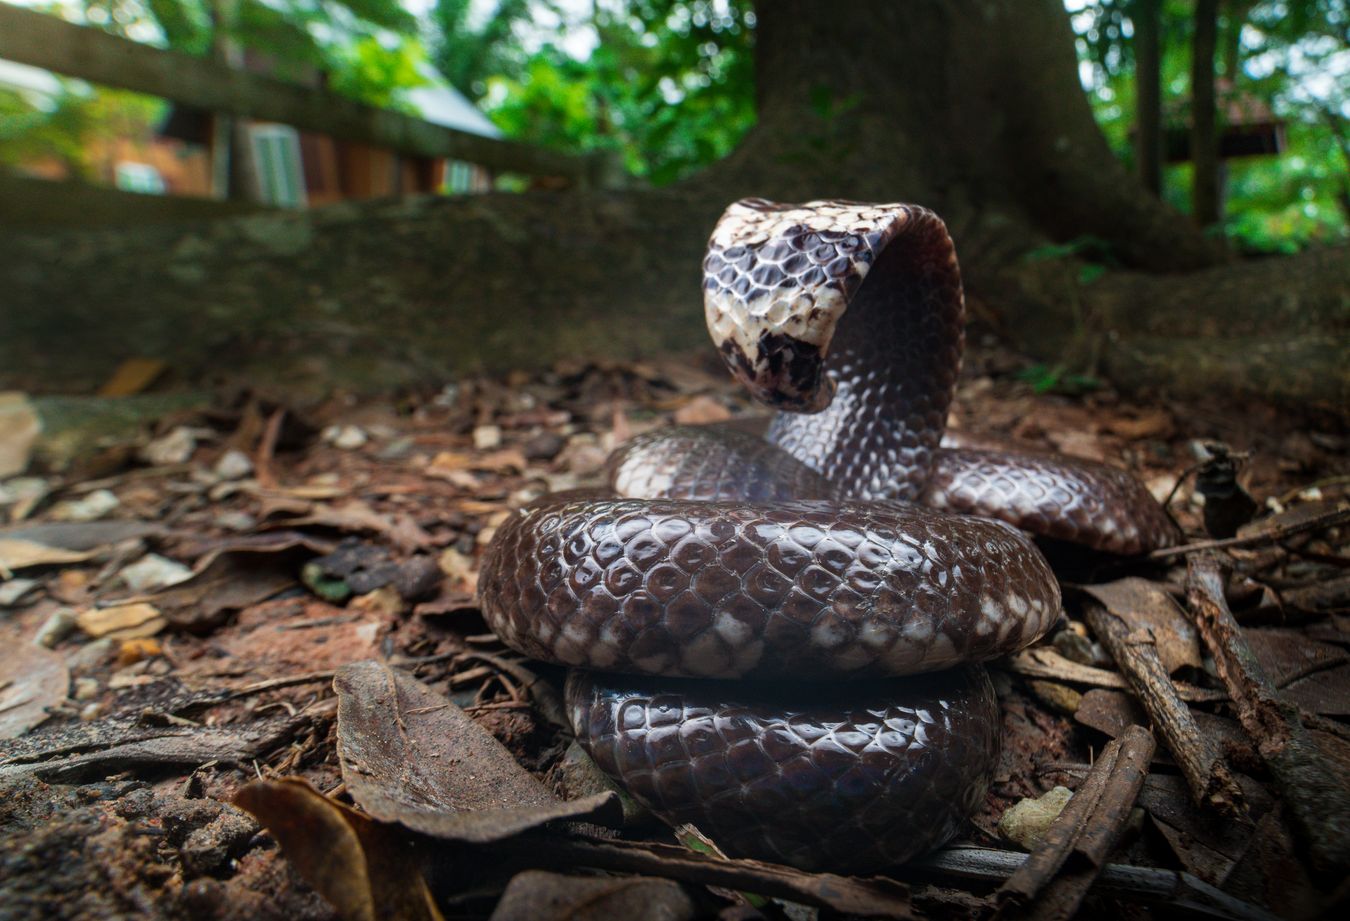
point(1284, 53)
point(1057, 379)
point(63, 129)
point(467, 54)
point(368, 49)
point(344, 39)
point(1095, 252)
point(669, 85)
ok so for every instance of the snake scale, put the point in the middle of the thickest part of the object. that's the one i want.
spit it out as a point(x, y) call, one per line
point(776, 639)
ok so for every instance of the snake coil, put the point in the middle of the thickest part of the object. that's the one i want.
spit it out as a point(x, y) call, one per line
point(776, 639)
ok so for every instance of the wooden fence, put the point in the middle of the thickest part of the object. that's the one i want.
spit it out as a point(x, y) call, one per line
point(45, 41)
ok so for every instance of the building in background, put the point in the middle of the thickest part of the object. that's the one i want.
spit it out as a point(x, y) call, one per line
point(272, 164)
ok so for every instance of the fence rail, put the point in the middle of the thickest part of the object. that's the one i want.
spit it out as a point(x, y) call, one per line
point(42, 40)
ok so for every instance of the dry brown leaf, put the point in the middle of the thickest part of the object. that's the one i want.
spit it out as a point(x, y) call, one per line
point(19, 429)
point(358, 516)
point(122, 622)
point(132, 376)
point(1156, 423)
point(1288, 655)
point(701, 410)
point(1144, 605)
point(1327, 693)
point(363, 868)
point(229, 582)
point(32, 679)
point(22, 554)
point(505, 460)
point(411, 756)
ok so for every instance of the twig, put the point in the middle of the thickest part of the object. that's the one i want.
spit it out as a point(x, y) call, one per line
point(267, 446)
point(1326, 520)
point(1074, 849)
point(1210, 781)
point(872, 897)
point(1172, 888)
point(1317, 798)
point(544, 695)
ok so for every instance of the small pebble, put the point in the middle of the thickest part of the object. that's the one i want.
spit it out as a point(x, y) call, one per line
point(86, 689)
point(418, 578)
point(1074, 647)
point(153, 571)
point(173, 448)
point(15, 590)
point(345, 437)
point(236, 521)
point(89, 508)
point(487, 437)
point(233, 465)
point(543, 446)
point(90, 656)
point(57, 627)
point(91, 712)
point(1025, 822)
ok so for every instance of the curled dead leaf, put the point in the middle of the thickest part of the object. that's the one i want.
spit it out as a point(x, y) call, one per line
point(365, 869)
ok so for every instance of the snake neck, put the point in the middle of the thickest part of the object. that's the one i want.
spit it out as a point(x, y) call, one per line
point(894, 358)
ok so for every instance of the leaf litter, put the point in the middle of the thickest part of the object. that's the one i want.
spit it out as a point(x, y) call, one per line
point(324, 666)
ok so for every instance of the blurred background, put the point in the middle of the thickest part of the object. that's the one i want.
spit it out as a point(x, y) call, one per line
point(398, 189)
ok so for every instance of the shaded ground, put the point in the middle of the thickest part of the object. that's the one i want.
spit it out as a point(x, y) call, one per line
point(302, 539)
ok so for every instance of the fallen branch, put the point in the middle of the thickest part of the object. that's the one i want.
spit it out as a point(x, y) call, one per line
point(1210, 781)
point(874, 897)
point(1074, 849)
point(1317, 797)
point(1327, 520)
point(1149, 885)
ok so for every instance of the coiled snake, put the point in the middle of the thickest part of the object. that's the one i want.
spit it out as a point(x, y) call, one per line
point(812, 567)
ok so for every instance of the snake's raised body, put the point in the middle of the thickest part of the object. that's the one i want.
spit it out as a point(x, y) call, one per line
point(814, 566)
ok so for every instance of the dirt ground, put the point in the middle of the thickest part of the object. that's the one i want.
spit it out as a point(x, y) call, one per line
point(242, 673)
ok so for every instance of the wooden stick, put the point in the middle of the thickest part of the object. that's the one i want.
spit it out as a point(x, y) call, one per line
point(1173, 889)
point(1315, 793)
point(1073, 851)
point(1328, 520)
point(1211, 783)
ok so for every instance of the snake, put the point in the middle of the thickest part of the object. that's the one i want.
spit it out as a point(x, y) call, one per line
point(778, 639)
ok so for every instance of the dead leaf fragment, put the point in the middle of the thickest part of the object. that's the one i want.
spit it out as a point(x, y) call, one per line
point(21, 554)
point(132, 377)
point(1142, 604)
point(536, 895)
point(366, 870)
point(1156, 423)
point(411, 756)
point(32, 678)
point(122, 622)
point(701, 410)
point(20, 426)
point(231, 581)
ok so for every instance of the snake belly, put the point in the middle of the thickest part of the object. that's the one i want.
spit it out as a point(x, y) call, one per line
point(744, 609)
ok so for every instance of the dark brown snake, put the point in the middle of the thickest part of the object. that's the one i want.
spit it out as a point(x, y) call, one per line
point(828, 551)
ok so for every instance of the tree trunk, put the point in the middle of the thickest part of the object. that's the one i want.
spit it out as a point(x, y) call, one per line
point(1148, 139)
point(1206, 208)
point(971, 108)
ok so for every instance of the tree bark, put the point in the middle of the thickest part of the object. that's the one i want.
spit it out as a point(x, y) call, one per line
point(1206, 207)
point(1148, 138)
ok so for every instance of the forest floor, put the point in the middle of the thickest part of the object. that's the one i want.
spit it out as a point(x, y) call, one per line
point(243, 674)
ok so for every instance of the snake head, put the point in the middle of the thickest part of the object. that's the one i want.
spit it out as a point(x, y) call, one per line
point(776, 282)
